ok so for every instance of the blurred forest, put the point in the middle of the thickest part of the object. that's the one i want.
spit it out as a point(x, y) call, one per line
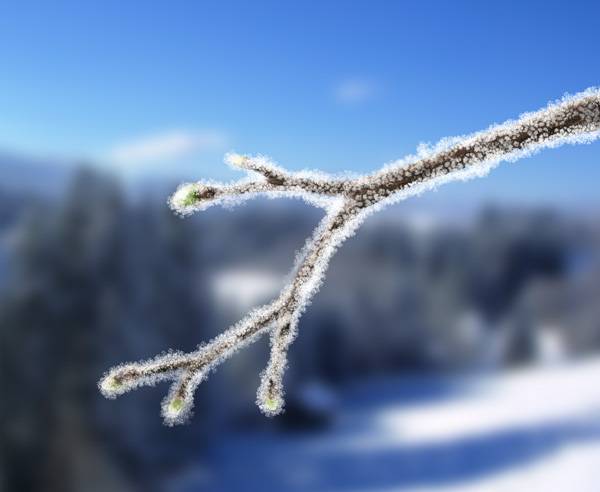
point(97, 276)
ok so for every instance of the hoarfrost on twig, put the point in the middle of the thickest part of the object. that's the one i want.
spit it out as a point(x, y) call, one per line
point(347, 200)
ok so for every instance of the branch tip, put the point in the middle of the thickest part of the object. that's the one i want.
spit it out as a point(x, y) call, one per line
point(189, 197)
point(269, 397)
point(175, 410)
point(237, 160)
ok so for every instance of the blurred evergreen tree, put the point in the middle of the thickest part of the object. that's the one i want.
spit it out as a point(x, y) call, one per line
point(93, 280)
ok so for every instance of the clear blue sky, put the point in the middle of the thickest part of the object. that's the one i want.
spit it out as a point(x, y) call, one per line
point(344, 85)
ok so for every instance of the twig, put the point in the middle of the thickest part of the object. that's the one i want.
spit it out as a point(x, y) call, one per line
point(347, 201)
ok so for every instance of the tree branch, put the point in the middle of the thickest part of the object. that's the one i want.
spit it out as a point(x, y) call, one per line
point(348, 201)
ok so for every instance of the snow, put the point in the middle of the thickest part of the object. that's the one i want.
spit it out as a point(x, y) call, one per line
point(243, 288)
point(531, 429)
point(517, 399)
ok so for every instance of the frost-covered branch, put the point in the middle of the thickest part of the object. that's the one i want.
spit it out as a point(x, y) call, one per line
point(347, 201)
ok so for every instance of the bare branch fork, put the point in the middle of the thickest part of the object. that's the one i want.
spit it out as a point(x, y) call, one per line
point(347, 201)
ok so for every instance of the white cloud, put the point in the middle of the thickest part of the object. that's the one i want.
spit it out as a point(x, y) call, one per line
point(354, 91)
point(165, 146)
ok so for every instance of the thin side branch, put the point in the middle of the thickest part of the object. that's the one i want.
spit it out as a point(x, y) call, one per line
point(347, 201)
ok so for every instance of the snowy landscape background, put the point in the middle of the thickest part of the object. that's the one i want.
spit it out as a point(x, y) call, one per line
point(455, 344)
point(440, 354)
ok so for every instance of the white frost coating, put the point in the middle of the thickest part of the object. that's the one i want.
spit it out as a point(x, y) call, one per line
point(347, 200)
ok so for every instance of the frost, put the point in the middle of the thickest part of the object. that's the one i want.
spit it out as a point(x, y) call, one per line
point(348, 200)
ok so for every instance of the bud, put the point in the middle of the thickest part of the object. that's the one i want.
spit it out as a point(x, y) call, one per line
point(110, 386)
point(176, 406)
point(269, 397)
point(186, 196)
point(236, 160)
point(273, 405)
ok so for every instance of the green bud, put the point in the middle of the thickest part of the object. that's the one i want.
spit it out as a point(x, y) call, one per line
point(176, 405)
point(185, 196)
point(112, 384)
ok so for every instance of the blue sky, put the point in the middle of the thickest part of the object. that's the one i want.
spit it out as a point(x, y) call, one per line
point(321, 84)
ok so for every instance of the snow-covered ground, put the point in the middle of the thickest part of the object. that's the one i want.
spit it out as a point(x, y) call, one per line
point(527, 430)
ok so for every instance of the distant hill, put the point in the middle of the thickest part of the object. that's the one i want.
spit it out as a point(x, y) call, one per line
point(44, 178)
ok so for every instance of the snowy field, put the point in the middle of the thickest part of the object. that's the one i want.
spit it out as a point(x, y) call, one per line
point(528, 430)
